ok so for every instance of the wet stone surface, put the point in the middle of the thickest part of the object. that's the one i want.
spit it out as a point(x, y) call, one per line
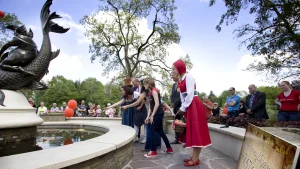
point(210, 158)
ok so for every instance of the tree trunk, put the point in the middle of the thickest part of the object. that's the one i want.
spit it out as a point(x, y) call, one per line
point(128, 66)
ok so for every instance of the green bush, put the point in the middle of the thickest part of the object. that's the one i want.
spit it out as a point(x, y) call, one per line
point(272, 111)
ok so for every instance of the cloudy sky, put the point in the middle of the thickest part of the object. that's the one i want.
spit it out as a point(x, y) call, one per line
point(218, 61)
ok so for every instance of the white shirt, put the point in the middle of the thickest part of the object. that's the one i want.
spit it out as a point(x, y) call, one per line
point(190, 90)
point(136, 94)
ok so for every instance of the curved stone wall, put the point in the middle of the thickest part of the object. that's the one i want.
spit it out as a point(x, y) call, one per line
point(110, 150)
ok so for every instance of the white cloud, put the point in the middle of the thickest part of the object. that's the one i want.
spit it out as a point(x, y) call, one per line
point(67, 22)
point(78, 66)
point(217, 81)
point(70, 66)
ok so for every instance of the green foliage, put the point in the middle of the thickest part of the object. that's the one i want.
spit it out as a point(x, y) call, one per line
point(91, 90)
point(120, 45)
point(201, 95)
point(222, 98)
point(166, 99)
point(112, 94)
point(212, 97)
point(9, 19)
point(271, 93)
point(62, 90)
point(274, 36)
point(272, 111)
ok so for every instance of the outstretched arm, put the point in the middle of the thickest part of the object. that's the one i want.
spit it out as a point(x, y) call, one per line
point(116, 104)
point(141, 98)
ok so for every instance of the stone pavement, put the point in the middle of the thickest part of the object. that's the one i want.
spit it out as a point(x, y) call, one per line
point(210, 158)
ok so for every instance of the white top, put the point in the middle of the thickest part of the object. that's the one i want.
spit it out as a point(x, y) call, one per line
point(136, 94)
point(190, 82)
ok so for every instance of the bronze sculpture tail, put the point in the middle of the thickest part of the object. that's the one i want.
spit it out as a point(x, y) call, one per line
point(2, 97)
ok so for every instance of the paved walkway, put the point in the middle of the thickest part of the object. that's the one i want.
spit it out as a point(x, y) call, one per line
point(210, 158)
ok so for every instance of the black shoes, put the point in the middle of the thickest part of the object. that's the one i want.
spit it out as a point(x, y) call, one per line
point(175, 142)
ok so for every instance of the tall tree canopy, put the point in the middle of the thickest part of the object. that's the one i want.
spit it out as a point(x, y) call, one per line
point(9, 19)
point(122, 42)
point(274, 35)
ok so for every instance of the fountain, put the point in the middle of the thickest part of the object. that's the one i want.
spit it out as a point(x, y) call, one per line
point(23, 67)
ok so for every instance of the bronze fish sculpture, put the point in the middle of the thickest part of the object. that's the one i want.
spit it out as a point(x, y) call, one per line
point(24, 66)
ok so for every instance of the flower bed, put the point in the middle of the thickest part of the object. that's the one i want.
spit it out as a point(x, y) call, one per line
point(243, 122)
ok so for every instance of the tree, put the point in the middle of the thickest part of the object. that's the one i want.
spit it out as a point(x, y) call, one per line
point(222, 98)
point(27, 93)
point(271, 93)
point(120, 43)
point(112, 94)
point(9, 19)
point(60, 90)
point(201, 95)
point(274, 36)
point(91, 90)
point(212, 97)
point(166, 99)
point(296, 84)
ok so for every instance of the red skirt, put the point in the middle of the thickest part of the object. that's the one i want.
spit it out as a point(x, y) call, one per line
point(196, 133)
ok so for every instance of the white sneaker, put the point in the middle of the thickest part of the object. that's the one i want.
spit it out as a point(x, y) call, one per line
point(143, 141)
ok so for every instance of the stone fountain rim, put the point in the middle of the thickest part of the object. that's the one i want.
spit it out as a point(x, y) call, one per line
point(74, 153)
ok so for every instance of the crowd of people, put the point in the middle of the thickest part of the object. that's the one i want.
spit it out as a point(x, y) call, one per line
point(142, 107)
point(81, 111)
point(254, 105)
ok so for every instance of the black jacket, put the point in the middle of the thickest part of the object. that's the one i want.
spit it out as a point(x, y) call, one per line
point(258, 105)
point(175, 98)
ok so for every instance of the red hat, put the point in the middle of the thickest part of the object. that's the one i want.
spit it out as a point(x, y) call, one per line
point(180, 66)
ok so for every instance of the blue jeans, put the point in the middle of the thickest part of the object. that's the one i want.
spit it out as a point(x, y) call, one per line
point(157, 127)
point(288, 116)
point(233, 113)
point(148, 145)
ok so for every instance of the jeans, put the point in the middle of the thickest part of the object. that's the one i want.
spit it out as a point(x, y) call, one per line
point(148, 145)
point(288, 116)
point(233, 113)
point(157, 127)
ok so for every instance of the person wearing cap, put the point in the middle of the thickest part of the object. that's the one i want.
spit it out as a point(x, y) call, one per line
point(197, 133)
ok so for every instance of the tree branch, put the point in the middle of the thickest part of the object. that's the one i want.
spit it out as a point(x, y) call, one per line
point(148, 38)
point(119, 20)
point(286, 23)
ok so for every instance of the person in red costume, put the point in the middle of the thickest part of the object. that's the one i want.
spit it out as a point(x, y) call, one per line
point(197, 133)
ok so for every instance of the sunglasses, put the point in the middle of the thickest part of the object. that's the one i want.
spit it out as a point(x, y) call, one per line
point(230, 90)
